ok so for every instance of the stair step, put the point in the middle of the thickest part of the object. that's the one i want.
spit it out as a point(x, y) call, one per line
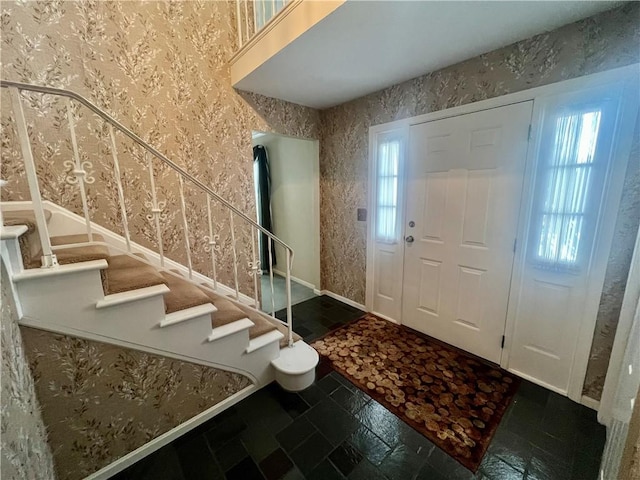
point(262, 322)
point(126, 261)
point(227, 312)
point(78, 238)
point(264, 340)
point(60, 270)
point(296, 367)
point(85, 253)
point(13, 232)
point(182, 295)
point(12, 218)
point(229, 329)
point(282, 328)
point(127, 278)
point(132, 295)
point(187, 314)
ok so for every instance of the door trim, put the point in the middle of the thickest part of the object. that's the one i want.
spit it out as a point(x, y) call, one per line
point(400, 127)
point(626, 75)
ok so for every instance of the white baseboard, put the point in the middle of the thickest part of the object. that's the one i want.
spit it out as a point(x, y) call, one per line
point(296, 279)
point(590, 403)
point(343, 299)
point(159, 442)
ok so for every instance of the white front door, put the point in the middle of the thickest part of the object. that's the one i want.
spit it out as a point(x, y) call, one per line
point(464, 179)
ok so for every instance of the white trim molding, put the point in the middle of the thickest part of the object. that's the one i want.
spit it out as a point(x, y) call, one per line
point(628, 76)
point(342, 299)
point(166, 438)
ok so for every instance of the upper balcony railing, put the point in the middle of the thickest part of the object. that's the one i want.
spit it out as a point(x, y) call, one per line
point(253, 15)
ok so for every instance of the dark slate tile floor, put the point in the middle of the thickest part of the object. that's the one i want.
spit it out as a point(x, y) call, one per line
point(335, 431)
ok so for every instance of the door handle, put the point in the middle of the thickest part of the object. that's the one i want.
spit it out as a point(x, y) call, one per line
point(409, 239)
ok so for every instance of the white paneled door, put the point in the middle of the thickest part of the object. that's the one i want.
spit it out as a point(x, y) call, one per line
point(465, 177)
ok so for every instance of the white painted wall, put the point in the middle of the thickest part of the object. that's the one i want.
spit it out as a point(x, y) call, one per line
point(295, 202)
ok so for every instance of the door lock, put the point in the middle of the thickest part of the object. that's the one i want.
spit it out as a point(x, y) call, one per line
point(409, 239)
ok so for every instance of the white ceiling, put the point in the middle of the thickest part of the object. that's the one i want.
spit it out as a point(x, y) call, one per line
point(365, 46)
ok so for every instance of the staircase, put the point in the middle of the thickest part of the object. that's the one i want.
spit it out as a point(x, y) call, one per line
point(73, 276)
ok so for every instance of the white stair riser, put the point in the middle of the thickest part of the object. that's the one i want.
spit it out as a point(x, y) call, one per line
point(137, 323)
point(67, 303)
point(12, 256)
point(295, 383)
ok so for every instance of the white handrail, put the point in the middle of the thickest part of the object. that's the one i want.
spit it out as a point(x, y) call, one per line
point(49, 259)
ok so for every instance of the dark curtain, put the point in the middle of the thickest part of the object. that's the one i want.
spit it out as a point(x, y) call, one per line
point(264, 204)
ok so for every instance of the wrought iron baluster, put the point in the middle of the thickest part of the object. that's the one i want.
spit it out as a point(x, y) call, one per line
point(254, 267)
point(48, 257)
point(123, 206)
point(156, 209)
point(79, 170)
point(273, 293)
point(212, 243)
point(185, 227)
point(235, 255)
point(289, 313)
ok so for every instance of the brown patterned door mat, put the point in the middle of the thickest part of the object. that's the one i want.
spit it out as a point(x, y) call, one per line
point(453, 399)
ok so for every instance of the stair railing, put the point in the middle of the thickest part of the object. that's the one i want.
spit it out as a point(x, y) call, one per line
point(81, 177)
point(253, 15)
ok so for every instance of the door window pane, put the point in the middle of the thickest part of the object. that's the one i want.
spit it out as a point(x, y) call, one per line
point(387, 191)
point(565, 196)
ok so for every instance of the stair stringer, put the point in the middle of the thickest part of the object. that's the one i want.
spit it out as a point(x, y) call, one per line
point(80, 309)
point(65, 222)
point(66, 303)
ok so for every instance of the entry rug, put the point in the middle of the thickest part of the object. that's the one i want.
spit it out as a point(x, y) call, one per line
point(453, 399)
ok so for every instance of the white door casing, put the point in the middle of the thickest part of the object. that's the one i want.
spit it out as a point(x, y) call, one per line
point(384, 293)
point(465, 175)
point(628, 78)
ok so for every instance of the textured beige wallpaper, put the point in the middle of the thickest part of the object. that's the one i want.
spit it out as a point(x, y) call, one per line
point(100, 402)
point(599, 43)
point(24, 451)
point(162, 69)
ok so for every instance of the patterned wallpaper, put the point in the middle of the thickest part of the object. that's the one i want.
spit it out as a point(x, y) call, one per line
point(100, 402)
point(24, 451)
point(599, 43)
point(161, 67)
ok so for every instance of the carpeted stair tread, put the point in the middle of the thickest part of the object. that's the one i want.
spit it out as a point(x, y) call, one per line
point(70, 255)
point(227, 311)
point(71, 239)
point(23, 217)
point(126, 261)
point(126, 278)
point(285, 331)
point(263, 323)
point(182, 295)
point(260, 318)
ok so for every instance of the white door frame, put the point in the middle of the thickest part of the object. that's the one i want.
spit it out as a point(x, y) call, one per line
point(628, 74)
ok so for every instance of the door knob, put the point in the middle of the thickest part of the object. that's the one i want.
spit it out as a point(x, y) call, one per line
point(409, 239)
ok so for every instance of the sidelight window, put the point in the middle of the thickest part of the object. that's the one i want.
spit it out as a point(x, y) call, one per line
point(388, 167)
point(569, 183)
